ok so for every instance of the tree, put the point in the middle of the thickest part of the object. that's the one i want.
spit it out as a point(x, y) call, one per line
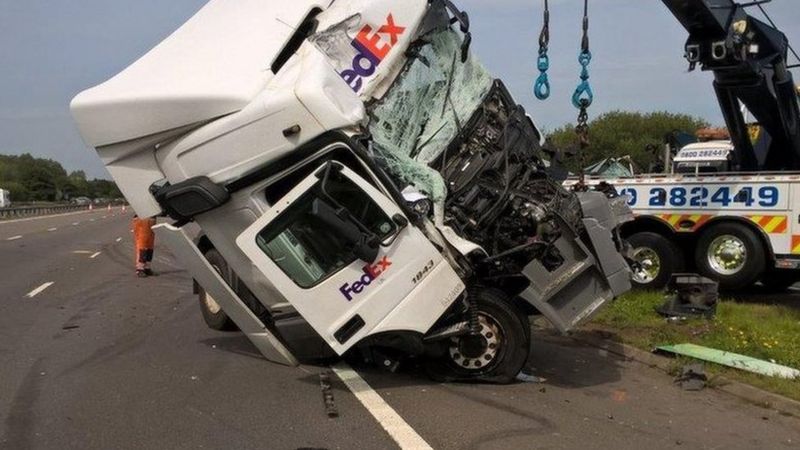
point(37, 179)
point(620, 133)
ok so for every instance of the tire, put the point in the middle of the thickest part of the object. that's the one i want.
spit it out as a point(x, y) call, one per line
point(503, 325)
point(213, 315)
point(659, 257)
point(777, 280)
point(732, 254)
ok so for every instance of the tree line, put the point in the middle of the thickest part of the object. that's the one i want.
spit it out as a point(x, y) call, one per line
point(621, 133)
point(31, 179)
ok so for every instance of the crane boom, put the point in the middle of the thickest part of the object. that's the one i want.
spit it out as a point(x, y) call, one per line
point(749, 60)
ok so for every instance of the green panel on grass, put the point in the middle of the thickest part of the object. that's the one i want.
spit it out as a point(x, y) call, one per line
point(732, 360)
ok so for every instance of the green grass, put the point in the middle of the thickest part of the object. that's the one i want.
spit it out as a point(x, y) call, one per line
point(771, 333)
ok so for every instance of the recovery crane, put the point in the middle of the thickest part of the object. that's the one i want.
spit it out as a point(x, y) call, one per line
point(360, 182)
point(727, 209)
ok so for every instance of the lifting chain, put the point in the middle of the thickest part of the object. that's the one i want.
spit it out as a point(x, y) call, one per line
point(583, 96)
point(542, 87)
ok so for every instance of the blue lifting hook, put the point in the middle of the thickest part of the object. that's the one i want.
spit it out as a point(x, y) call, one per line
point(542, 87)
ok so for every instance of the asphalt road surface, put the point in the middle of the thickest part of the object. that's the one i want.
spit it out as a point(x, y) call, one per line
point(95, 358)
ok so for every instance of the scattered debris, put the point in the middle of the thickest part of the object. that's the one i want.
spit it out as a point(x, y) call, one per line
point(692, 378)
point(734, 360)
point(327, 394)
point(529, 377)
point(690, 295)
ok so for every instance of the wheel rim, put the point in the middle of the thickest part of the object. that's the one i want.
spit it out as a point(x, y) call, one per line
point(478, 353)
point(727, 255)
point(648, 265)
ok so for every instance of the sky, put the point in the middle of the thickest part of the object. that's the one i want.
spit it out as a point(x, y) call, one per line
point(52, 49)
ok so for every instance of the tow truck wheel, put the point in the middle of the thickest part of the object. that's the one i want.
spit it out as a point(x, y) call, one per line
point(213, 315)
point(656, 258)
point(496, 353)
point(732, 254)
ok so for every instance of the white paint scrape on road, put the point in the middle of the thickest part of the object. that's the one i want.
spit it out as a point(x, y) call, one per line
point(39, 289)
point(95, 255)
point(14, 238)
point(398, 429)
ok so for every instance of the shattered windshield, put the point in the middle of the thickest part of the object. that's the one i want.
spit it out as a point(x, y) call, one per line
point(425, 108)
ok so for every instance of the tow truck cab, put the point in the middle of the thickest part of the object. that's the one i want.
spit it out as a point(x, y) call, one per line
point(704, 157)
point(361, 179)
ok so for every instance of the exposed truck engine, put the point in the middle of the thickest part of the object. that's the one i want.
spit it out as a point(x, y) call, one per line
point(361, 182)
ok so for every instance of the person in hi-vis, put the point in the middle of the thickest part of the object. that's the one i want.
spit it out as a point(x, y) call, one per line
point(144, 238)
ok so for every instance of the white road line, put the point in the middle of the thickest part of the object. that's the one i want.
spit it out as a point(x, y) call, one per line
point(398, 429)
point(39, 289)
point(14, 238)
point(95, 255)
point(75, 224)
point(52, 229)
point(82, 252)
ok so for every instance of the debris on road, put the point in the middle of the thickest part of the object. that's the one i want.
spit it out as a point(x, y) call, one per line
point(529, 378)
point(690, 295)
point(734, 360)
point(692, 378)
point(327, 394)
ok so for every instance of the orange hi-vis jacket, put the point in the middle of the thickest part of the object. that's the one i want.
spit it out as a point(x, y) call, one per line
point(143, 233)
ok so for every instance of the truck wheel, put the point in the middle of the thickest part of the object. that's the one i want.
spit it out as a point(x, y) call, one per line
point(732, 254)
point(213, 315)
point(657, 257)
point(496, 354)
point(777, 280)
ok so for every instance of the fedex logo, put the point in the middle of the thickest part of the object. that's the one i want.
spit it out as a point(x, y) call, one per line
point(371, 49)
point(371, 273)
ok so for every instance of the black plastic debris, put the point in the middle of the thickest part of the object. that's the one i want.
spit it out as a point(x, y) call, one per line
point(690, 295)
point(692, 378)
point(327, 394)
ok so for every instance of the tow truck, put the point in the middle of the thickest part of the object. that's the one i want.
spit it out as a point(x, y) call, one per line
point(727, 209)
point(361, 182)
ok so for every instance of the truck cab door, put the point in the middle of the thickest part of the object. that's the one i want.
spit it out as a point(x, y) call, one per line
point(344, 255)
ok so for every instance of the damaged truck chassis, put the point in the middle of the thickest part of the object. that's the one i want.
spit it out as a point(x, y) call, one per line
point(375, 189)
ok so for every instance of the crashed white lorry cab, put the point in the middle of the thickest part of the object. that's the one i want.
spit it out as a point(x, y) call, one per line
point(360, 180)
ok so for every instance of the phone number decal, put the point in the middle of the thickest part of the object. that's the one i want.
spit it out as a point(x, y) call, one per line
point(703, 197)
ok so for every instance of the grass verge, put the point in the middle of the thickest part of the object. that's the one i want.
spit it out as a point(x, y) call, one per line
point(767, 332)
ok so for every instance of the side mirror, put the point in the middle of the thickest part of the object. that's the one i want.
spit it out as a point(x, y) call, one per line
point(365, 245)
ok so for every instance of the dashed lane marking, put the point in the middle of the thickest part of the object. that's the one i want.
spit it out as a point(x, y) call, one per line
point(52, 229)
point(95, 255)
point(14, 238)
point(39, 289)
point(75, 224)
point(398, 429)
point(82, 252)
